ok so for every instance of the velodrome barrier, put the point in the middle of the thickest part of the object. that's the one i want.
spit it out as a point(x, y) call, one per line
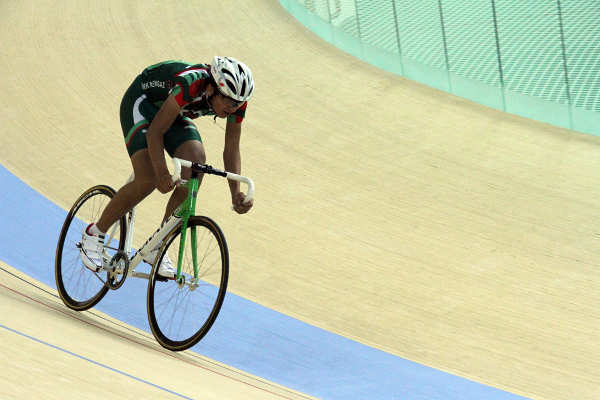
point(536, 58)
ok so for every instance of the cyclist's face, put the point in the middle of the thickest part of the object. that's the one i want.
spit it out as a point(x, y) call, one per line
point(224, 106)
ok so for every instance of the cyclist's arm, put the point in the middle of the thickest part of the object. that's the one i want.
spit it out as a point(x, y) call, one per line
point(167, 113)
point(231, 153)
point(233, 163)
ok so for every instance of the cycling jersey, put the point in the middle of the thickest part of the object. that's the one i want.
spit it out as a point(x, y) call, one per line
point(187, 82)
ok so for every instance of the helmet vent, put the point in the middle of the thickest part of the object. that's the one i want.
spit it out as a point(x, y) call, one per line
point(231, 86)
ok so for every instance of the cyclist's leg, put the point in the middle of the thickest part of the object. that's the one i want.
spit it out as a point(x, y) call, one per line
point(132, 193)
point(136, 113)
point(183, 141)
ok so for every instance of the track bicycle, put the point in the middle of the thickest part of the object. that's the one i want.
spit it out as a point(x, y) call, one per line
point(181, 310)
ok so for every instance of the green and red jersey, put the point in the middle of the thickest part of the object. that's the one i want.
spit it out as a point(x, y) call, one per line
point(187, 82)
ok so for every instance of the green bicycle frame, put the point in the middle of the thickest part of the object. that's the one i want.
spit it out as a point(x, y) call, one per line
point(185, 211)
point(188, 208)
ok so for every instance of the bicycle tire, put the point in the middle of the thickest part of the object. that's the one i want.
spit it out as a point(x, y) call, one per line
point(75, 267)
point(219, 288)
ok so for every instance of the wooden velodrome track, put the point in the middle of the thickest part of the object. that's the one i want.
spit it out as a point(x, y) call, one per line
point(399, 216)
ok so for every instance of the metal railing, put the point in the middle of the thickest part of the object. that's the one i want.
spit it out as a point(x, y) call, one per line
point(535, 58)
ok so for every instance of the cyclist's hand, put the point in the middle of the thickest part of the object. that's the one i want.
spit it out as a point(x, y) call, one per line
point(238, 203)
point(165, 183)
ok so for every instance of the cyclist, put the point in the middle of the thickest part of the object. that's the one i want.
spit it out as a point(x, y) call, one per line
point(156, 115)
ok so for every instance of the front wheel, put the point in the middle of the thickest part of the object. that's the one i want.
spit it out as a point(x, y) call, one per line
point(182, 311)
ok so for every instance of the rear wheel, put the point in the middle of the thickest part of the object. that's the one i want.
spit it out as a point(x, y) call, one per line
point(182, 311)
point(79, 287)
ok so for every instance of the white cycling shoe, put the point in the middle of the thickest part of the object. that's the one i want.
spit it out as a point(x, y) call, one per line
point(166, 269)
point(92, 250)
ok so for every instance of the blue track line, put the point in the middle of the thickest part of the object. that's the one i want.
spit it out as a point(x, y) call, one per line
point(94, 362)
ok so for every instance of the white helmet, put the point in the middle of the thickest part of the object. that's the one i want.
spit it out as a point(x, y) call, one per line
point(233, 78)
